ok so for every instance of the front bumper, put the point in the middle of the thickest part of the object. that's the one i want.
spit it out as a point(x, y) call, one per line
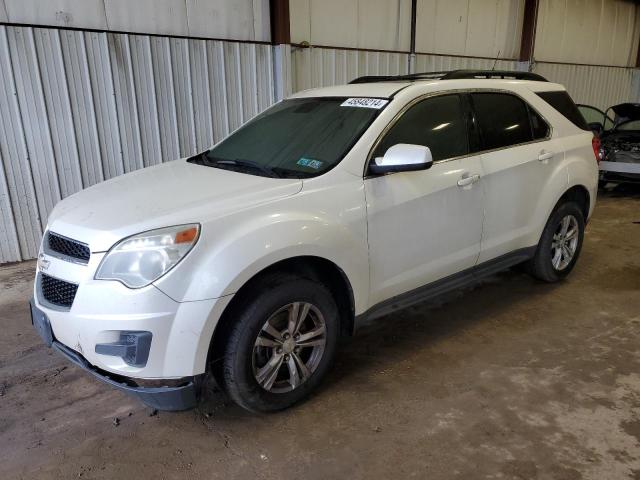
point(102, 310)
point(182, 396)
point(96, 333)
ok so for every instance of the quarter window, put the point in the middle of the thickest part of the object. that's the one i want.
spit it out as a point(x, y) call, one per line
point(504, 120)
point(437, 123)
point(562, 102)
point(539, 127)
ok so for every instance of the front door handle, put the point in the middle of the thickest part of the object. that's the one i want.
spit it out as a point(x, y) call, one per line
point(467, 179)
point(544, 156)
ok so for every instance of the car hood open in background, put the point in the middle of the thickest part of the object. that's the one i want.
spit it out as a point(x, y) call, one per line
point(172, 193)
point(626, 111)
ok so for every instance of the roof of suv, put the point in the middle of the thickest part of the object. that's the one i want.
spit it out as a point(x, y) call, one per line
point(386, 86)
point(389, 88)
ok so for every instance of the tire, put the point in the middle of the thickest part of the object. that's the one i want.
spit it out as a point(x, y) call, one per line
point(545, 265)
point(248, 367)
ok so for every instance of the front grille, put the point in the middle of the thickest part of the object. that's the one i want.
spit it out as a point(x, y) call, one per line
point(58, 292)
point(68, 247)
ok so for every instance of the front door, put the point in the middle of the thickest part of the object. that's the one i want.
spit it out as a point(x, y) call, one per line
point(425, 225)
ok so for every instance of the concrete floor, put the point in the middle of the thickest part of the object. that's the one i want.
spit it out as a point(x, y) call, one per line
point(512, 379)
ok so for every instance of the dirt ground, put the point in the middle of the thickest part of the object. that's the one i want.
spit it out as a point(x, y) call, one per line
point(512, 379)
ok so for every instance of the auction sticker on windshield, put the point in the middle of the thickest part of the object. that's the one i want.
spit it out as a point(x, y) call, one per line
point(376, 103)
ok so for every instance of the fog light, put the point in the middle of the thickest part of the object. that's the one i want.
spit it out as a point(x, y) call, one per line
point(132, 347)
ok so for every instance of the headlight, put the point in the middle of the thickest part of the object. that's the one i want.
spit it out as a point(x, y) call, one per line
point(141, 259)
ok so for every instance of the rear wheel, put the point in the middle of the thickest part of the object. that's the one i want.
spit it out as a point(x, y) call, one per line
point(281, 344)
point(559, 245)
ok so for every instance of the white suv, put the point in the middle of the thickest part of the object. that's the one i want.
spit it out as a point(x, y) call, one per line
point(251, 259)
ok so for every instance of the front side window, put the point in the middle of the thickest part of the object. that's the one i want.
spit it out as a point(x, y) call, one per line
point(296, 138)
point(503, 120)
point(436, 122)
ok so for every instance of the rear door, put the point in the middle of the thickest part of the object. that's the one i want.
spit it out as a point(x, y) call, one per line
point(518, 157)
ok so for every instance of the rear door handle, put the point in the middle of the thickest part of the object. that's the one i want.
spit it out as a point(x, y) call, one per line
point(467, 179)
point(544, 156)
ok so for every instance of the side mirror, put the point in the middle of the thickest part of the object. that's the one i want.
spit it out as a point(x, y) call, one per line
point(596, 127)
point(402, 157)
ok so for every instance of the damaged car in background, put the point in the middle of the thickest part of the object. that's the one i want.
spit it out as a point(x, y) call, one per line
point(619, 131)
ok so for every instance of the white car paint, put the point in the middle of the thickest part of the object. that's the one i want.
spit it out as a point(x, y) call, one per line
point(388, 234)
point(412, 243)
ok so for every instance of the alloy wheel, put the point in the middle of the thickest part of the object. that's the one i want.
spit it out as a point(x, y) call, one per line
point(289, 347)
point(565, 242)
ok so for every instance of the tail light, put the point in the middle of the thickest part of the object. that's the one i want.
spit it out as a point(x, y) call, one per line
point(597, 148)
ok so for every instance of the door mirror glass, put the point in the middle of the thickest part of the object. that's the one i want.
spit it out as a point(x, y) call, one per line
point(402, 157)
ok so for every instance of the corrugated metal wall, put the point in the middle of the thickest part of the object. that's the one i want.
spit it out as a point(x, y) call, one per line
point(592, 85)
point(321, 67)
point(455, 27)
point(597, 32)
point(220, 19)
point(482, 28)
point(372, 24)
point(79, 107)
point(439, 63)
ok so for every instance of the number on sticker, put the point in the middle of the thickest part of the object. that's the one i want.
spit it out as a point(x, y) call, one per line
point(376, 103)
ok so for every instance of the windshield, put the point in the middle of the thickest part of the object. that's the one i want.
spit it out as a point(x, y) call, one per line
point(296, 138)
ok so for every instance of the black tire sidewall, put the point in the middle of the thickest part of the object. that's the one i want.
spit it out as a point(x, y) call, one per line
point(239, 381)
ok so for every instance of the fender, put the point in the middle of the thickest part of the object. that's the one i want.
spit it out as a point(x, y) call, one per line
point(235, 248)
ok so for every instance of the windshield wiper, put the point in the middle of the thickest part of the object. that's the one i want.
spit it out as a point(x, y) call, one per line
point(276, 172)
point(243, 164)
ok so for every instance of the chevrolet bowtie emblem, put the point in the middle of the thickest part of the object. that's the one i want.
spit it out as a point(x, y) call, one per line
point(43, 263)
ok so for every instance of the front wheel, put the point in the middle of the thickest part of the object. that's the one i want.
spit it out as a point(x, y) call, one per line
point(559, 245)
point(281, 344)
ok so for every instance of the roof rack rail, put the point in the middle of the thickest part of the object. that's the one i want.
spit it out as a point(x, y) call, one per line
point(452, 75)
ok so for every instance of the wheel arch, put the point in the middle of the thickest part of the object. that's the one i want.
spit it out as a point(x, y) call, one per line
point(577, 193)
point(312, 267)
point(580, 195)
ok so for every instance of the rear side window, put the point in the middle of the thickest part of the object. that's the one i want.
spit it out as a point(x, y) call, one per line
point(437, 123)
point(561, 101)
point(539, 127)
point(503, 120)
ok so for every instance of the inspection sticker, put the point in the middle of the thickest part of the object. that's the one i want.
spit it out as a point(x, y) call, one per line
point(310, 162)
point(376, 103)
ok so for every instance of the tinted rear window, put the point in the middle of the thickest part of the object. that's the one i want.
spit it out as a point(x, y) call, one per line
point(503, 119)
point(561, 101)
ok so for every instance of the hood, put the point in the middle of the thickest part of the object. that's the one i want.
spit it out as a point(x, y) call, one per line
point(626, 111)
point(169, 194)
